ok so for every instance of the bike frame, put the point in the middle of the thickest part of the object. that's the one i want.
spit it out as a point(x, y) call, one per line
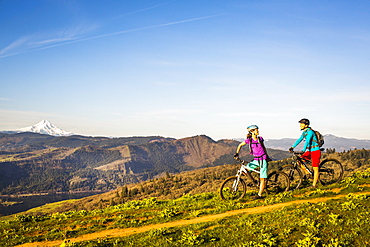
point(244, 171)
point(299, 162)
point(330, 170)
point(276, 181)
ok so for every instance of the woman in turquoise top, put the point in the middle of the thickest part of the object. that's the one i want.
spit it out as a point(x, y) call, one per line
point(311, 148)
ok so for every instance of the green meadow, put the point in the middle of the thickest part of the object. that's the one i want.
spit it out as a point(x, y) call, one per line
point(335, 215)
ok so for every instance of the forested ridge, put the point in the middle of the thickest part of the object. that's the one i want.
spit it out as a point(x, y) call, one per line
point(34, 163)
point(172, 186)
point(43, 164)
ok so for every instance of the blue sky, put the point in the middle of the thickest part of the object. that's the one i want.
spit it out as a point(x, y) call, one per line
point(183, 68)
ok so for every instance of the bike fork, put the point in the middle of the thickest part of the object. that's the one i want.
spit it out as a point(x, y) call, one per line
point(235, 184)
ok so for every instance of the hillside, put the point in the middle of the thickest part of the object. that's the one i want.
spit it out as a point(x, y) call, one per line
point(173, 186)
point(28, 141)
point(34, 163)
point(334, 215)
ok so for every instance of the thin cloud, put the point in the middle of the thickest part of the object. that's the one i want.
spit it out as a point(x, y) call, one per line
point(72, 40)
point(16, 44)
point(40, 41)
point(142, 10)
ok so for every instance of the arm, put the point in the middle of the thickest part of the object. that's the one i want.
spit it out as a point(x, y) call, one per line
point(240, 146)
point(298, 141)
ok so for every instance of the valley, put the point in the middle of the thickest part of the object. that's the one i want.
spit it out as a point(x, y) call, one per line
point(34, 163)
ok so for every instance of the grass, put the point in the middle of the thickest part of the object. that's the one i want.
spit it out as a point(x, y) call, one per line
point(49, 207)
point(339, 222)
point(342, 222)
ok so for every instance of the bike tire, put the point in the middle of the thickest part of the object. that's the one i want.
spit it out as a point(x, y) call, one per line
point(295, 176)
point(331, 171)
point(278, 181)
point(228, 193)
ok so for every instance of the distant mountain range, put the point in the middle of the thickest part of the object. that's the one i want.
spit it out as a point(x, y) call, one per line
point(33, 162)
point(331, 141)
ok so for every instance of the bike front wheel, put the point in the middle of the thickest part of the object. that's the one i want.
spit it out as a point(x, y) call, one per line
point(278, 182)
point(295, 176)
point(331, 171)
point(233, 188)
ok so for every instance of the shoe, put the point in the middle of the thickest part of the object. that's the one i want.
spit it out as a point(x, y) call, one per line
point(256, 197)
point(312, 187)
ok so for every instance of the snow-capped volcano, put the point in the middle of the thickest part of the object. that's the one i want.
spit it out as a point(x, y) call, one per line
point(45, 127)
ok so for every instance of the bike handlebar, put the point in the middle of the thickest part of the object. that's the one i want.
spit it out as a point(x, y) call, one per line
point(240, 160)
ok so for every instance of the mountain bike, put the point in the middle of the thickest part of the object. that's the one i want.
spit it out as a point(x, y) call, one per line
point(330, 171)
point(236, 187)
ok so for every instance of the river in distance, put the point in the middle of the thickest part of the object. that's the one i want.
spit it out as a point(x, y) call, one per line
point(23, 203)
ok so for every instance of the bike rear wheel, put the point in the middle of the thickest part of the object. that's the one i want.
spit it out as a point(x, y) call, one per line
point(278, 182)
point(295, 176)
point(331, 171)
point(232, 189)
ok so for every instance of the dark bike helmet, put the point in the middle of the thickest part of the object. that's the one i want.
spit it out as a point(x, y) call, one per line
point(304, 121)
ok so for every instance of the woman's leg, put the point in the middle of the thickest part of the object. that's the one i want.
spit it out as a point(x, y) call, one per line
point(262, 186)
point(263, 176)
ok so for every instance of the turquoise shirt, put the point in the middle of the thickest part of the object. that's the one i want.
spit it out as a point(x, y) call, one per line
point(311, 143)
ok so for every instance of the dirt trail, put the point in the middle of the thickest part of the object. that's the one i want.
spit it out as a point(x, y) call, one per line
point(112, 233)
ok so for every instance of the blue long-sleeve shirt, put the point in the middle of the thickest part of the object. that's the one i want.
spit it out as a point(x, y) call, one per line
point(311, 143)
